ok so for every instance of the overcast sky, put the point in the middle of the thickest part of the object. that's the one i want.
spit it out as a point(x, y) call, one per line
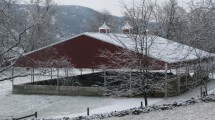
point(114, 6)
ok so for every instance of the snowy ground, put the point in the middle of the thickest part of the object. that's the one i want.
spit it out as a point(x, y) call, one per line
point(201, 111)
point(59, 106)
point(70, 106)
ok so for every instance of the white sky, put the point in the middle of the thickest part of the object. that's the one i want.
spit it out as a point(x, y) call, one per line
point(114, 6)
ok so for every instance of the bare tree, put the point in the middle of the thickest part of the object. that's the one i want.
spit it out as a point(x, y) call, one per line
point(172, 20)
point(15, 29)
point(201, 25)
point(41, 13)
point(133, 58)
point(200, 22)
point(12, 33)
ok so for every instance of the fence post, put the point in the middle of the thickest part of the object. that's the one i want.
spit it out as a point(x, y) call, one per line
point(88, 111)
point(141, 104)
point(36, 114)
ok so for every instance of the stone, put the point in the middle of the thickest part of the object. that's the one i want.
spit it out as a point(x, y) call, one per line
point(136, 112)
point(175, 104)
point(65, 118)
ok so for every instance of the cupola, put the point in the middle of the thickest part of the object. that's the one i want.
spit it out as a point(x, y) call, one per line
point(104, 29)
point(127, 29)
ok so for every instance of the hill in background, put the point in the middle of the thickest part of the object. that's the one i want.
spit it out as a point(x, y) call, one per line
point(74, 20)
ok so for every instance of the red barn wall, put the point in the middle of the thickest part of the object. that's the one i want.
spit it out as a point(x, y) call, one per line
point(81, 52)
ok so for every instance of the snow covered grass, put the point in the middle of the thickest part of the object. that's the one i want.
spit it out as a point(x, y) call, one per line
point(113, 104)
point(201, 111)
point(60, 106)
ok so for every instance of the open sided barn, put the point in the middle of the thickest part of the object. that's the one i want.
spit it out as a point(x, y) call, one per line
point(83, 52)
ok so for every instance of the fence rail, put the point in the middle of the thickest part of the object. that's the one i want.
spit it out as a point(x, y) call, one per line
point(32, 115)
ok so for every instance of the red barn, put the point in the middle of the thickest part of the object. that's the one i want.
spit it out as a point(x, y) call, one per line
point(81, 51)
point(84, 50)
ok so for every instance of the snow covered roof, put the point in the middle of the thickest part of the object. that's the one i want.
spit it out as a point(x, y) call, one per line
point(158, 48)
point(126, 26)
point(104, 26)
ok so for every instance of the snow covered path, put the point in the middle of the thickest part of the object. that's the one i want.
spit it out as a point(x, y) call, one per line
point(200, 111)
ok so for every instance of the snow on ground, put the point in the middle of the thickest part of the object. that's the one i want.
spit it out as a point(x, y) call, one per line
point(201, 111)
point(123, 103)
point(113, 104)
point(48, 106)
point(70, 106)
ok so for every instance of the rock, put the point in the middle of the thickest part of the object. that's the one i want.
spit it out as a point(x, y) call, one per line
point(65, 118)
point(190, 102)
point(175, 104)
point(146, 110)
point(136, 112)
point(113, 113)
point(180, 104)
point(155, 107)
point(80, 118)
point(118, 114)
point(166, 107)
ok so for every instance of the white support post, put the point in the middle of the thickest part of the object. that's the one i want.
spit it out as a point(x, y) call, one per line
point(187, 73)
point(67, 72)
point(12, 80)
point(81, 70)
point(211, 68)
point(178, 80)
point(51, 73)
point(165, 83)
point(67, 75)
point(130, 80)
point(188, 69)
point(58, 81)
point(33, 74)
point(105, 78)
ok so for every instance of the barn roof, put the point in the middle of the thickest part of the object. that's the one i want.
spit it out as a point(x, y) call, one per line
point(81, 50)
point(158, 47)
